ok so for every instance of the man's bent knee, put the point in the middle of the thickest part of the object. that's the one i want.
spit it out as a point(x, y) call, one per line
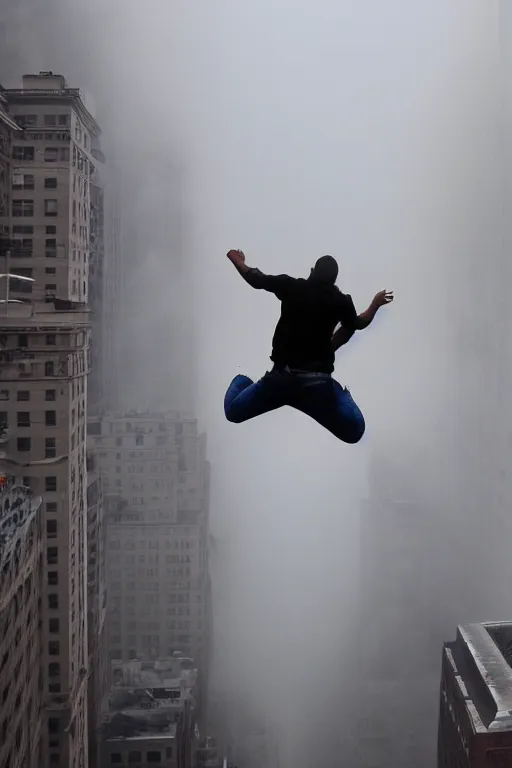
point(233, 414)
point(354, 432)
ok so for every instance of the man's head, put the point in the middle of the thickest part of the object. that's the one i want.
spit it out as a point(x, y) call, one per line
point(325, 270)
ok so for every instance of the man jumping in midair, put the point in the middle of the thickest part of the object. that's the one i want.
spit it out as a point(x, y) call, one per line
point(303, 349)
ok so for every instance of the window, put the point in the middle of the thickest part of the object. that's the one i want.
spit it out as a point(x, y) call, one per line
point(50, 182)
point(23, 444)
point(116, 758)
point(53, 602)
point(50, 248)
point(22, 247)
point(54, 688)
point(23, 419)
point(23, 394)
point(63, 120)
point(23, 229)
point(22, 208)
point(50, 483)
point(53, 578)
point(52, 556)
point(51, 339)
point(134, 757)
point(50, 120)
point(22, 340)
point(49, 395)
point(50, 271)
point(154, 757)
point(25, 121)
point(139, 440)
point(54, 626)
point(50, 448)
point(51, 527)
point(50, 418)
point(23, 181)
point(23, 153)
point(50, 287)
point(4, 394)
point(53, 648)
point(49, 370)
point(50, 207)
point(53, 722)
point(51, 229)
point(64, 154)
point(22, 286)
point(51, 154)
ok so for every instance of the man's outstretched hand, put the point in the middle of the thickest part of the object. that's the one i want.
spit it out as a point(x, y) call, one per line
point(237, 257)
point(382, 298)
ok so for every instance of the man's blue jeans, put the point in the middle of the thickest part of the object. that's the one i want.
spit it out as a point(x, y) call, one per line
point(317, 395)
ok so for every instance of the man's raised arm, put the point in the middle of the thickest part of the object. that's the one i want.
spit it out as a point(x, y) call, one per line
point(345, 333)
point(256, 279)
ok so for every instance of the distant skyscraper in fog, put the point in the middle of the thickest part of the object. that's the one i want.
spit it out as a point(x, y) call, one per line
point(475, 717)
point(156, 482)
point(396, 682)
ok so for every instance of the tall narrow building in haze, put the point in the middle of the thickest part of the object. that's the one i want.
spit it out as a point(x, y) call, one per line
point(156, 484)
point(45, 347)
point(400, 618)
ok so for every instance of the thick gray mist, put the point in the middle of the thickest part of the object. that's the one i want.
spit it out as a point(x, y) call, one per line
point(375, 132)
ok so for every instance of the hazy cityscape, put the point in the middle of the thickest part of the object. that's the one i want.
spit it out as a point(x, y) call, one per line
point(179, 590)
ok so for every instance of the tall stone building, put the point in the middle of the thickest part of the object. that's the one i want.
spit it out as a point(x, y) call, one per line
point(20, 622)
point(45, 361)
point(156, 483)
point(43, 386)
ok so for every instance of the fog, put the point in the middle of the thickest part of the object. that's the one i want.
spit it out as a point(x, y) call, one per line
point(376, 132)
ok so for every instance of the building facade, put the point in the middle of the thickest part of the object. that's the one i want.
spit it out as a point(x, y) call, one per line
point(475, 721)
point(21, 712)
point(44, 362)
point(53, 222)
point(156, 483)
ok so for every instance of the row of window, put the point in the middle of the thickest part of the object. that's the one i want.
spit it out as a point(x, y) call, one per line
point(24, 394)
point(49, 121)
point(25, 154)
point(116, 758)
point(23, 418)
point(28, 229)
point(27, 181)
point(23, 248)
point(26, 208)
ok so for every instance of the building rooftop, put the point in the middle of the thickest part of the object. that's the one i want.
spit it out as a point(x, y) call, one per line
point(481, 659)
point(49, 86)
point(147, 697)
point(169, 672)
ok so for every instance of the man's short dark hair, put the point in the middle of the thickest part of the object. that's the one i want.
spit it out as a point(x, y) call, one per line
point(325, 270)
